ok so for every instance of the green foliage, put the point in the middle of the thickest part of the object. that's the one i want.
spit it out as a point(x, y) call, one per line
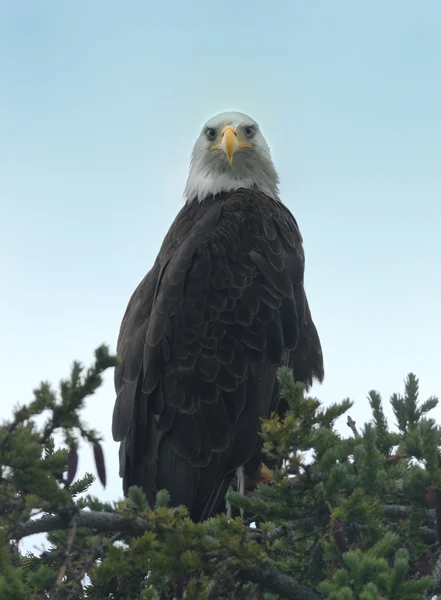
point(344, 517)
point(32, 475)
point(378, 573)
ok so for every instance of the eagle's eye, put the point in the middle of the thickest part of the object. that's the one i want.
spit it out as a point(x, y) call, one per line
point(210, 133)
point(249, 131)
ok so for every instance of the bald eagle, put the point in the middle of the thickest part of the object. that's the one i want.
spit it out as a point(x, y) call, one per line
point(205, 331)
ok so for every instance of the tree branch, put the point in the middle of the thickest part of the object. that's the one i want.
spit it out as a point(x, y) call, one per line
point(395, 511)
point(104, 522)
point(263, 575)
point(285, 528)
point(279, 583)
point(107, 522)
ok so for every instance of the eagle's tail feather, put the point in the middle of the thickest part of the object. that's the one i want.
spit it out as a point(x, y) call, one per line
point(215, 502)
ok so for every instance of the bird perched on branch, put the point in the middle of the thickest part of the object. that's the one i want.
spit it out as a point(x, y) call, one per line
point(205, 331)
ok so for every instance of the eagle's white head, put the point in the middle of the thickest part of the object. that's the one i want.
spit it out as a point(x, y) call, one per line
point(230, 153)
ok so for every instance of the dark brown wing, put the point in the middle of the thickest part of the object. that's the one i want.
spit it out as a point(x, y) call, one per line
point(306, 359)
point(200, 343)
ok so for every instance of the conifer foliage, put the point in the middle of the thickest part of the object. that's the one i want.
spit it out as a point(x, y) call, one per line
point(355, 517)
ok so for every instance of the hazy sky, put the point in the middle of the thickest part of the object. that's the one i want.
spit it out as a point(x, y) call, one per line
point(100, 104)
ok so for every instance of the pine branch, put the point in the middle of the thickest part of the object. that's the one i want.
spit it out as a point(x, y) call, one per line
point(279, 583)
point(211, 550)
point(107, 522)
point(273, 580)
point(395, 511)
point(104, 522)
point(288, 527)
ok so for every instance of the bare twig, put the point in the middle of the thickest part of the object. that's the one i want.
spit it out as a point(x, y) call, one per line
point(97, 552)
point(63, 568)
point(338, 533)
point(351, 424)
point(212, 589)
point(438, 514)
point(436, 577)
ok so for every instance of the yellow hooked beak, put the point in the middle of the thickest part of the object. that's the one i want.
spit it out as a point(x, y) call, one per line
point(230, 142)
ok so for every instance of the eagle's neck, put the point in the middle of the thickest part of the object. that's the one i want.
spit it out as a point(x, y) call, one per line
point(212, 180)
point(207, 186)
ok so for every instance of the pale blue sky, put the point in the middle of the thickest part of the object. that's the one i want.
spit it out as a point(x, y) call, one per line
point(100, 103)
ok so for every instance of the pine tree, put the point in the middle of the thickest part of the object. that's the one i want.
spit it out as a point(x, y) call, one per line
point(343, 518)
